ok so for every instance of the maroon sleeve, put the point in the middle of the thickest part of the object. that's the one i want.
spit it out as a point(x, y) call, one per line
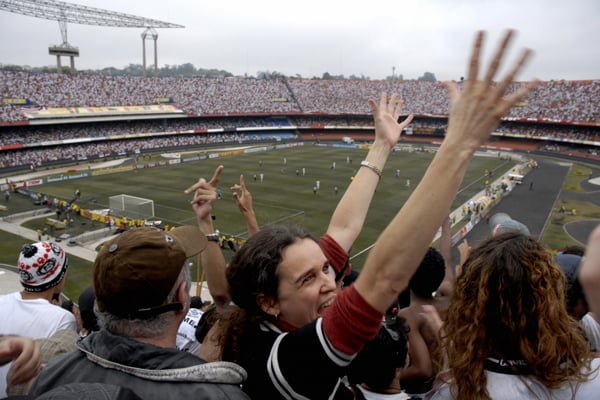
point(336, 255)
point(351, 322)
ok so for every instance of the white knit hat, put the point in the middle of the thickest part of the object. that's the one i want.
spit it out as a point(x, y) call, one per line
point(42, 266)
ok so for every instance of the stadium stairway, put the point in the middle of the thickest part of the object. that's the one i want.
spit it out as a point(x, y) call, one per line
point(30, 234)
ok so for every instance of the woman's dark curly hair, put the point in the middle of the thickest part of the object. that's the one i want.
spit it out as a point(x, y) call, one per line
point(509, 303)
point(253, 271)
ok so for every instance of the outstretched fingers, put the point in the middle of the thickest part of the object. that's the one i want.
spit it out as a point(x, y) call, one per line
point(215, 179)
point(453, 91)
point(383, 101)
point(375, 107)
point(195, 186)
point(493, 69)
point(511, 99)
point(202, 182)
point(392, 104)
point(474, 61)
point(407, 121)
point(242, 183)
point(203, 191)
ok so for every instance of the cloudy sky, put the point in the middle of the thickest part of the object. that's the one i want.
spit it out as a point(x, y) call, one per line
point(311, 37)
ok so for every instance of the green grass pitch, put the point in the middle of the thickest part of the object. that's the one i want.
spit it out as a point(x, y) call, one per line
point(282, 196)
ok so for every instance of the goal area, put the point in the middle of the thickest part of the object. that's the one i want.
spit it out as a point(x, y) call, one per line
point(131, 206)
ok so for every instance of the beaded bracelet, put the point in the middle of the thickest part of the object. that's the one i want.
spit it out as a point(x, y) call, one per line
point(371, 166)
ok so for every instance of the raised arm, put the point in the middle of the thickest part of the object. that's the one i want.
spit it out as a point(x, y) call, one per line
point(349, 216)
point(589, 273)
point(474, 113)
point(243, 199)
point(213, 261)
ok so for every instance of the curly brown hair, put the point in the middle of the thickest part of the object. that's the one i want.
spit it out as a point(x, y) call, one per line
point(509, 304)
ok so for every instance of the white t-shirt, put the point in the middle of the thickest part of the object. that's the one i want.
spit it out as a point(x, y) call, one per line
point(186, 334)
point(37, 318)
point(510, 387)
point(592, 330)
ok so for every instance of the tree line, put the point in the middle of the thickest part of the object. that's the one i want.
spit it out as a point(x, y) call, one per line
point(189, 70)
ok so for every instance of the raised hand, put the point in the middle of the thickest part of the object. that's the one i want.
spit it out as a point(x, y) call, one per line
point(205, 194)
point(243, 199)
point(476, 111)
point(386, 114)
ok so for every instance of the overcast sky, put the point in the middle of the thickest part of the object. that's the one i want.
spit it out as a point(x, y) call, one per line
point(311, 37)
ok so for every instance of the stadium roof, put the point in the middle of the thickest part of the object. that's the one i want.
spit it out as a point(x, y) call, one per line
point(78, 14)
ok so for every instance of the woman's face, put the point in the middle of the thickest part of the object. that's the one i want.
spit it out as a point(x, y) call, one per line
point(306, 283)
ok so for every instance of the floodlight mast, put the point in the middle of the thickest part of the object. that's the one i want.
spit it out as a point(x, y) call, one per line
point(150, 33)
point(66, 12)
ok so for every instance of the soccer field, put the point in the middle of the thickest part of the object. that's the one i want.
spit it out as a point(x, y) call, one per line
point(282, 197)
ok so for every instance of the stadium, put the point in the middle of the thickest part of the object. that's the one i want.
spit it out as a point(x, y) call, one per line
point(86, 157)
point(70, 176)
point(170, 124)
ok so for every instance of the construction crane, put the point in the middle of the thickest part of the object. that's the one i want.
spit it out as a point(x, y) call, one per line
point(74, 13)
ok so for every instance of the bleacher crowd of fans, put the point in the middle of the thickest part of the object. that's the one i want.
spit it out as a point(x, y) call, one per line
point(551, 100)
point(294, 102)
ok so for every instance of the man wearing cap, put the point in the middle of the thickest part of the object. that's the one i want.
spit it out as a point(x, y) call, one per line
point(42, 270)
point(141, 281)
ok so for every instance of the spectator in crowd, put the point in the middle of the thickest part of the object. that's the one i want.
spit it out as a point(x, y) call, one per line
point(577, 305)
point(68, 305)
point(141, 282)
point(589, 276)
point(42, 270)
point(507, 333)
point(431, 285)
point(376, 369)
point(73, 308)
point(291, 325)
point(573, 249)
point(418, 375)
point(186, 334)
point(89, 321)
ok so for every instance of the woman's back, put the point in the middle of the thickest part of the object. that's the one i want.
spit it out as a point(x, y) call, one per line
point(507, 331)
point(509, 387)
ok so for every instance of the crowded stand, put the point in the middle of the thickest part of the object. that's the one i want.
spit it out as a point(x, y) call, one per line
point(291, 316)
point(573, 101)
point(193, 95)
point(116, 130)
point(92, 151)
point(41, 115)
point(92, 141)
